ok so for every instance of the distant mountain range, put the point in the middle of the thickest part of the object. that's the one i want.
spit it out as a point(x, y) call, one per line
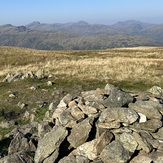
point(81, 35)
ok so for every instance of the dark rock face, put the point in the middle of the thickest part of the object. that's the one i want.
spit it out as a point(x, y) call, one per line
point(99, 126)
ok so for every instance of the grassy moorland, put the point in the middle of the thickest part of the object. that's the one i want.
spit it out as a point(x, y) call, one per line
point(131, 68)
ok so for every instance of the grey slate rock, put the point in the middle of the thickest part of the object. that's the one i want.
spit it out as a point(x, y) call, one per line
point(80, 133)
point(74, 159)
point(148, 108)
point(151, 125)
point(20, 157)
point(50, 143)
point(115, 152)
point(20, 143)
point(118, 114)
point(117, 98)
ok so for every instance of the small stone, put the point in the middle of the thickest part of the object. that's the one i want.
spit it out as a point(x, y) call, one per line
point(33, 88)
point(72, 103)
point(156, 90)
point(7, 124)
point(142, 118)
point(65, 101)
point(77, 113)
point(86, 150)
point(88, 110)
point(109, 125)
point(49, 83)
point(40, 74)
point(12, 95)
point(32, 117)
point(26, 115)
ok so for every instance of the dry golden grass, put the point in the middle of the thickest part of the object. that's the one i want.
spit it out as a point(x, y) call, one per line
point(124, 64)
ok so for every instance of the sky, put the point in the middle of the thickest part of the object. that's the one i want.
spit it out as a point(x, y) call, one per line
point(23, 12)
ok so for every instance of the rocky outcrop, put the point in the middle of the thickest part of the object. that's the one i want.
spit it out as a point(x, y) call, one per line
point(100, 126)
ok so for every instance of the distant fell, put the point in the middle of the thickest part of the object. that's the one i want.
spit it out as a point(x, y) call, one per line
point(81, 35)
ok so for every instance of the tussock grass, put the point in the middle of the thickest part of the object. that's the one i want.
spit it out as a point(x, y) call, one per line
point(133, 65)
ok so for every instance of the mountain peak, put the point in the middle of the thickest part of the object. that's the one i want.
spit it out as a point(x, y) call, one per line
point(81, 22)
point(34, 23)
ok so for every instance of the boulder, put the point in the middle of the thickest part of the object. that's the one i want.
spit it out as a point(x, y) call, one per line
point(88, 110)
point(142, 158)
point(156, 90)
point(19, 157)
point(149, 108)
point(80, 133)
point(43, 128)
point(159, 134)
point(86, 150)
point(93, 95)
point(151, 125)
point(50, 143)
point(104, 139)
point(143, 143)
point(157, 156)
point(117, 98)
point(20, 143)
point(115, 152)
point(66, 119)
point(112, 117)
point(128, 142)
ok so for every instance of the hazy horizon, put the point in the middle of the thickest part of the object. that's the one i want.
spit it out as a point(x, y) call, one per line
point(17, 12)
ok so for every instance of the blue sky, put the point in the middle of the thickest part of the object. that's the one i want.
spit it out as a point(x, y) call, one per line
point(22, 12)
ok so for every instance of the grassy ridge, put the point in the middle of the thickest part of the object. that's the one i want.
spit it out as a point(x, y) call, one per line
point(125, 66)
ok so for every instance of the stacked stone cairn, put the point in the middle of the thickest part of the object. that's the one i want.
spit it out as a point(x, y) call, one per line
point(100, 126)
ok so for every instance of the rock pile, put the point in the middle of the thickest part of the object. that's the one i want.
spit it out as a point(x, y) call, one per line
point(39, 74)
point(100, 126)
